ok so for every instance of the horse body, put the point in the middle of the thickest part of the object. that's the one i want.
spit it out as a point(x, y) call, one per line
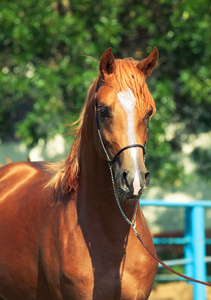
point(62, 234)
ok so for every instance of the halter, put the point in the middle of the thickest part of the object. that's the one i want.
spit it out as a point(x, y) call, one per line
point(112, 161)
point(133, 222)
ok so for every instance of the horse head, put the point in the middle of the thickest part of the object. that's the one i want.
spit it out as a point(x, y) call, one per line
point(123, 107)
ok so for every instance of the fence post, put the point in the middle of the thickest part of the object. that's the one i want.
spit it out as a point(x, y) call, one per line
point(188, 247)
point(199, 251)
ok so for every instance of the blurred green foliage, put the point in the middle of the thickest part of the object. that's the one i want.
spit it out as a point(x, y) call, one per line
point(44, 77)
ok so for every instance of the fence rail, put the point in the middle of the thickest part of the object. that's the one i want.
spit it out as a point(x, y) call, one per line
point(194, 242)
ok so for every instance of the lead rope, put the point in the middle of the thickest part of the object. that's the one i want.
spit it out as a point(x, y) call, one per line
point(133, 226)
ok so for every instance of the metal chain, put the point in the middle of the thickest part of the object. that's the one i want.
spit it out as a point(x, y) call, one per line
point(133, 223)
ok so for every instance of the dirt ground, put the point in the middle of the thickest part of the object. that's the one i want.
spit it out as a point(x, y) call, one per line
point(175, 291)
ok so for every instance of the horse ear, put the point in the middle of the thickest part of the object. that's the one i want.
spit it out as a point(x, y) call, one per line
point(107, 63)
point(147, 65)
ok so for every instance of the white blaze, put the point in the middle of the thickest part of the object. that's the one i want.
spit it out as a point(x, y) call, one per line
point(128, 101)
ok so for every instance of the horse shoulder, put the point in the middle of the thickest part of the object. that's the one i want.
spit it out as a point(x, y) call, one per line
point(65, 255)
point(25, 206)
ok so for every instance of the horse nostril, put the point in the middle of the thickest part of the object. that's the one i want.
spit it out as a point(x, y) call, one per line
point(147, 178)
point(147, 175)
point(124, 175)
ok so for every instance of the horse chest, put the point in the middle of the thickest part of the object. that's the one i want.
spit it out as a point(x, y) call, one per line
point(84, 276)
point(96, 274)
point(89, 268)
point(105, 286)
point(95, 284)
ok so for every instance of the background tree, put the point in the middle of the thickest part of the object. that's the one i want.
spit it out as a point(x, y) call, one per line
point(44, 78)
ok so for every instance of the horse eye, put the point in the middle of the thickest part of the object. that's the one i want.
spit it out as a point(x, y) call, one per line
point(148, 114)
point(104, 113)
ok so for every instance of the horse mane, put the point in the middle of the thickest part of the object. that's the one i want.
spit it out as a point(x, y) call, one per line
point(67, 173)
point(72, 166)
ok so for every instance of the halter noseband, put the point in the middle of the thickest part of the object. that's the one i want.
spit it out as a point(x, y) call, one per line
point(111, 161)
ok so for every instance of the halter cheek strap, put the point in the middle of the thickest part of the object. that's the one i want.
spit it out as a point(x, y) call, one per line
point(98, 130)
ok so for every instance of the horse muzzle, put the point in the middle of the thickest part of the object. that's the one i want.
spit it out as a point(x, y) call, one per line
point(132, 185)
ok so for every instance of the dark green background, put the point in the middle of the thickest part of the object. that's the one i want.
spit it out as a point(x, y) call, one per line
point(44, 78)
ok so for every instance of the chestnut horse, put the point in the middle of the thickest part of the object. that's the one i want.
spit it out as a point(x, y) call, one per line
point(62, 234)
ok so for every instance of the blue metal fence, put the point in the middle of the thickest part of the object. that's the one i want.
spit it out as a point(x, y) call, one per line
point(194, 242)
